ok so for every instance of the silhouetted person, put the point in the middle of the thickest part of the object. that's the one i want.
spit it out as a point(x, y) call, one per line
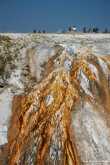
point(84, 30)
point(89, 30)
point(69, 29)
point(96, 30)
point(34, 31)
point(106, 30)
point(44, 31)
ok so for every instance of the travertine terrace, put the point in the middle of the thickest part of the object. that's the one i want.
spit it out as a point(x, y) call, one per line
point(57, 94)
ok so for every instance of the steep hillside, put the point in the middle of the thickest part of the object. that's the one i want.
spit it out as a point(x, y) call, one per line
point(54, 100)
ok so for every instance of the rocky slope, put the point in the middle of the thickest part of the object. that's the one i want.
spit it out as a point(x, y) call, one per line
point(58, 97)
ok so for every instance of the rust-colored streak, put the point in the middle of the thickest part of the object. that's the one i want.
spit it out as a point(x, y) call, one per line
point(43, 132)
point(42, 122)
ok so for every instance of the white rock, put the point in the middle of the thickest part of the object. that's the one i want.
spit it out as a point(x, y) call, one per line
point(71, 49)
point(15, 79)
point(3, 134)
point(84, 82)
point(92, 135)
point(104, 66)
point(5, 113)
point(67, 64)
point(38, 58)
point(94, 71)
point(49, 99)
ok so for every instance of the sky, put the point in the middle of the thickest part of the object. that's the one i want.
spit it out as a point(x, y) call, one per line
point(53, 15)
